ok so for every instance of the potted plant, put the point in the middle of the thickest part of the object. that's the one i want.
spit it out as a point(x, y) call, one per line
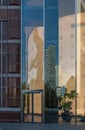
point(65, 104)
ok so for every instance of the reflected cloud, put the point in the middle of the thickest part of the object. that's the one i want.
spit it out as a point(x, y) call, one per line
point(68, 52)
point(35, 2)
point(35, 58)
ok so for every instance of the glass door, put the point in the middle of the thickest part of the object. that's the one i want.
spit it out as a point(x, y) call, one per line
point(32, 106)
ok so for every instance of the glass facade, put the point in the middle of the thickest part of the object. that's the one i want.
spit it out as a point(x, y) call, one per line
point(10, 60)
point(71, 54)
point(67, 55)
point(80, 58)
point(10, 2)
point(37, 44)
point(53, 59)
point(32, 57)
point(42, 51)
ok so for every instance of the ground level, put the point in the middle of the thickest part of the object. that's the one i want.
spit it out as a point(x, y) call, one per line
point(30, 126)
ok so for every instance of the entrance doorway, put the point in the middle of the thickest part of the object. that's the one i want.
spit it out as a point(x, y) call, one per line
point(32, 105)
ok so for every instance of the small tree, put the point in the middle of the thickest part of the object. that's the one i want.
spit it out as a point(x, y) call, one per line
point(65, 102)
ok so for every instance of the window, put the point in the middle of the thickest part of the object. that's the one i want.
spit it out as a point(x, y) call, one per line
point(5, 29)
point(0, 30)
point(11, 2)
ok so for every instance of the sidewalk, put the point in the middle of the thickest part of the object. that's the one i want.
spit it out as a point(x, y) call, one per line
point(29, 126)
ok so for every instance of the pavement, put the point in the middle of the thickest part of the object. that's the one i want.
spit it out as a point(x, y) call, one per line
point(30, 126)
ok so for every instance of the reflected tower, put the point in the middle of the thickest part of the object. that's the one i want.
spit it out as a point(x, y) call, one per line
point(50, 66)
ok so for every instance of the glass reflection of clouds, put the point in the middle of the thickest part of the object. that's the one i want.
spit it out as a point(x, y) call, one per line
point(35, 58)
point(35, 2)
point(67, 62)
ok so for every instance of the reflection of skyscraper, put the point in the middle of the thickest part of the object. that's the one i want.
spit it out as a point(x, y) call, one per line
point(50, 64)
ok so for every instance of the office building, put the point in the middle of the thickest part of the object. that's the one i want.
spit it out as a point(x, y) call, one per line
point(10, 46)
point(42, 51)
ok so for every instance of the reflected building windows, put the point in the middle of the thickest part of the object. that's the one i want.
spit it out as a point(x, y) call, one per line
point(10, 2)
point(5, 29)
point(14, 24)
point(52, 55)
point(11, 92)
point(11, 58)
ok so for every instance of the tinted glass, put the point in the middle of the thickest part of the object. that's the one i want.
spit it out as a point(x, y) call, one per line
point(67, 59)
point(32, 50)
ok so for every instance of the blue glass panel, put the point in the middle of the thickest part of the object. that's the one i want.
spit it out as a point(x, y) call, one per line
point(51, 60)
point(32, 54)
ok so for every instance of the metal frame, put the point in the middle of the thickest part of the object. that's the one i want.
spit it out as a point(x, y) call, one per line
point(32, 92)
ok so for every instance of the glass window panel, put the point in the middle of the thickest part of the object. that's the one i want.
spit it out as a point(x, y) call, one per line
point(51, 60)
point(18, 92)
point(12, 68)
point(0, 82)
point(33, 2)
point(0, 48)
point(14, 82)
point(18, 82)
point(67, 54)
point(4, 48)
point(5, 97)
point(14, 102)
point(5, 81)
point(13, 48)
point(5, 29)
point(0, 62)
point(5, 2)
point(51, 20)
point(32, 48)
point(14, 28)
point(10, 97)
point(50, 2)
point(14, 23)
point(12, 92)
point(0, 34)
point(14, 33)
point(11, 2)
point(4, 63)
point(17, 68)
point(3, 14)
point(12, 58)
point(81, 59)
point(17, 58)
point(14, 14)
point(12, 62)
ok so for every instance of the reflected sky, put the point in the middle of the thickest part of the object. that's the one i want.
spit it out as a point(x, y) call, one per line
point(66, 48)
point(33, 17)
point(66, 7)
point(34, 2)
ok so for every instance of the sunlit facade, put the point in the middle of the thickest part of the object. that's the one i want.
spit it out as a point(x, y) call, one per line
point(42, 58)
point(71, 54)
point(54, 63)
